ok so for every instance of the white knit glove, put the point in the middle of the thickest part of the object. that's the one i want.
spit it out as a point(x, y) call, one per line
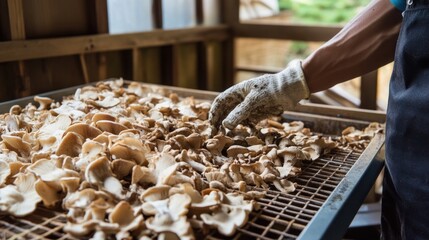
point(255, 99)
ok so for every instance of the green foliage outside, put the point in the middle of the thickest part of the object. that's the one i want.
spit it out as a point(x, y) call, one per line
point(322, 11)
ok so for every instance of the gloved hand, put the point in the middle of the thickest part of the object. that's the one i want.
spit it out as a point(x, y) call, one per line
point(255, 99)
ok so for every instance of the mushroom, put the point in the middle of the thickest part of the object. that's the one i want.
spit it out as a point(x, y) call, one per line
point(16, 144)
point(170, 216)
point(4, 171)
point(126, 218)
point(122, 167)
point(232, 214)
point(21, 198)
point(102, 116)
point(91, 150)
point(70, 145)
point(84, 130)
point(50, 133)
point(48, 172)
point(130, 149)
point(234, 150)
point(99, 173)
point(44, 102)
point(110, 126)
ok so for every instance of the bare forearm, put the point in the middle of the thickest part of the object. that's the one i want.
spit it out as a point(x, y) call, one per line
point(364, 44)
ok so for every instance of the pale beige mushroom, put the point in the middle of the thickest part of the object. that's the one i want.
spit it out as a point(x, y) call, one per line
point(232, 214)
point(70, 145)
point(170, 215)
point(122, 167)
point(234, 150)
point(294, 126)
point(130, 149)
point(12, 123)
point(91, 150)
point(126, 218)
point(99, 173)
point(4, 171)
point(21, 198)
point(110, 126)
point(44, 102)
point(102, 116)
point(84, 130)
point(15, 110)
point(49, 135)
point(16, 144)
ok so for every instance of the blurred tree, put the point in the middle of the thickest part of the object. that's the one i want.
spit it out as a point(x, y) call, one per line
point(322, 11)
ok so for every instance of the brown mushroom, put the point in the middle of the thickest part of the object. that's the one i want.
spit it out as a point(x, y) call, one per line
point(44, 102)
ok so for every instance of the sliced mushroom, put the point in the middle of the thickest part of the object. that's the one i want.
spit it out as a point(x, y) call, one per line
point(84, 130)
point(16, 144)
point(130, 149)
point(126, 218)
point(21, 198)
point(110, 126)
point(99, 173)
point(70, 145)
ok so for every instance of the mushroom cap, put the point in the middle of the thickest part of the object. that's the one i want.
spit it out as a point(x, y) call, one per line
point(44, 102)
point(130, 149)
point(20, 199)
point(4, 171)
point(70, 145)
point(122, 167)
point(155, 193)
point(84, 130)
point(16, 144)
point(110, 126)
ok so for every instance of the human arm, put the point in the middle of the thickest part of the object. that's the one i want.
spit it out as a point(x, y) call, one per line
point(364, 44)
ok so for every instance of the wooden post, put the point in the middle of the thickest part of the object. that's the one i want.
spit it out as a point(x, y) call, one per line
point(230, 9)
point(100, 24)
point(368, 91)
point(16, 31)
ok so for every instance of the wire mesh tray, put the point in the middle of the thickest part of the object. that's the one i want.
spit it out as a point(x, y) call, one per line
point(328, 194)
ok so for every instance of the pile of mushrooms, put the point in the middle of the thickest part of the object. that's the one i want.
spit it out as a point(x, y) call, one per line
point(133, 161)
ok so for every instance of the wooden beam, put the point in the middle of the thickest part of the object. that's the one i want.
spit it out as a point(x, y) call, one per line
point(99, 16)
point(202, 66)
point(84, 68)
point(16, 19)
point(368, 91)
point(258, 69)
point(199, 8)
point(33, 49)
point(157, 14)
point(286, 32)
point(138, 73)
point(231, 17)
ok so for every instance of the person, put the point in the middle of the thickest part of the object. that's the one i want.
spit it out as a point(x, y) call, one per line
point(375, 37)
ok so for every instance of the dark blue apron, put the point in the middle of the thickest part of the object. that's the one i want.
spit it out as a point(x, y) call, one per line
point(405, 202)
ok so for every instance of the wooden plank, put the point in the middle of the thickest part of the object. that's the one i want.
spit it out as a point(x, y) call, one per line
point(199, 8)
point(16, 19)
point(32, 49)
point(99, 17)
point(138, 64)
point(100, 24)
point(368, 91)
point(157, 14)
point(167, 65)
point(202, 66)
point(231, 14)
point(53, 18)
point(258, 69)
point(286, 32)
point(84, 68)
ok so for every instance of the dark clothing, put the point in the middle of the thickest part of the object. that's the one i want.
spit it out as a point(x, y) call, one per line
point(406, 184)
